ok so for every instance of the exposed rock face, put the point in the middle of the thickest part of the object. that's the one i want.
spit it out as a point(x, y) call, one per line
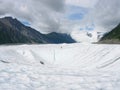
point(13, 31)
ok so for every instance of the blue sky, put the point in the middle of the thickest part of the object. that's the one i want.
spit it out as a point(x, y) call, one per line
point(90, 27)
point(76, 16)
point(64, 15)
point(76, 12)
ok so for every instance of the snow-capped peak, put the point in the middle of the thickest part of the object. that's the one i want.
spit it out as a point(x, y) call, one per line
point(84, 36)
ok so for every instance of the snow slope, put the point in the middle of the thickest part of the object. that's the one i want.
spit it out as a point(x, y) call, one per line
point(63, 67)
point(87, 36)
point(84, 36)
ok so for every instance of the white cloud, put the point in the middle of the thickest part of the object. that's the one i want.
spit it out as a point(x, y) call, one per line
point(105, 14)
point(51, 15)
point(42, 14)
point(82, 3)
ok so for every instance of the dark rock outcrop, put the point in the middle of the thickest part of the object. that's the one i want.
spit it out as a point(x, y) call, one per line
point(13, 31)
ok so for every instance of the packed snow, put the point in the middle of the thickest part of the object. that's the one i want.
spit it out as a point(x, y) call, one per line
point(60, 67)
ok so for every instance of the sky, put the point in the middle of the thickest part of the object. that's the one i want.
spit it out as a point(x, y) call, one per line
point(65, 16)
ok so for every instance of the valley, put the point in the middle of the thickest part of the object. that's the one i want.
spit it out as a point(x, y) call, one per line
point(64, 67)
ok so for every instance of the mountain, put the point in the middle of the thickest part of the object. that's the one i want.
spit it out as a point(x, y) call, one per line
point(59, 38)
point(112, 37)
point(13, 31)
point(86, 36)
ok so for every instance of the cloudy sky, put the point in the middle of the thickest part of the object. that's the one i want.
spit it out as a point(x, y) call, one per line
point(64, 16)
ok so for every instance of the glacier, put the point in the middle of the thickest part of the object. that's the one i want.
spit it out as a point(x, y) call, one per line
point(79, 66)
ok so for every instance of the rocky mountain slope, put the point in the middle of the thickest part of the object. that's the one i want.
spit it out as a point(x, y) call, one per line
point(112, 37)
point(13, 31)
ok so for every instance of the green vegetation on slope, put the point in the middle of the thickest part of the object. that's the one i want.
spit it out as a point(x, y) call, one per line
point(112, 37)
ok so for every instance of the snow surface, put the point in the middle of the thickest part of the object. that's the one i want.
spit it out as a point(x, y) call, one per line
point(87, 36)
point(81, 36)
point(63, 67)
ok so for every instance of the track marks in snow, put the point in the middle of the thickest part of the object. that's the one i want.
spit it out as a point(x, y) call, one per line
point(73, 69)
point(108, 63)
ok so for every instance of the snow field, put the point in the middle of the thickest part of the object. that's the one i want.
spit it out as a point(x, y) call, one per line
point(65, 67)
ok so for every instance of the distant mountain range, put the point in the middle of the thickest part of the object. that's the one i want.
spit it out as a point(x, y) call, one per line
point(112, 37)
point(13, 31)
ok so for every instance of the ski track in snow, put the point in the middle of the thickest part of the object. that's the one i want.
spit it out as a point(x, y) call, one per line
point(66, 67)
